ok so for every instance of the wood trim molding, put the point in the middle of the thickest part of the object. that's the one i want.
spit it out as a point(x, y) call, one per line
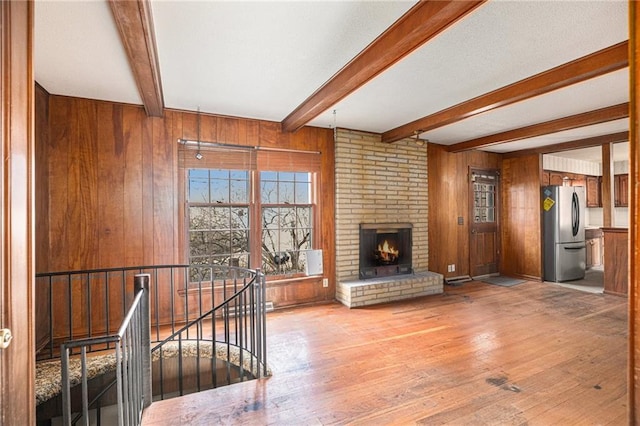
point(566, 146)
point(633, 370)
point(593, 65)
point(422, 22)
point(135, 25)
point(607, 185)
point(17, 254)
point(589, 118)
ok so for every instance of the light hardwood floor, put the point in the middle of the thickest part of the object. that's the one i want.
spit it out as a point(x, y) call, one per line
point(480, 354)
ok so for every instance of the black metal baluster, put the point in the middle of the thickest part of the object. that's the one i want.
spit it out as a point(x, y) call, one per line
point(50, 295)
point(70, 296)
point(107, 304)
point(89, 311)
point(156, 298)
point(180, 384)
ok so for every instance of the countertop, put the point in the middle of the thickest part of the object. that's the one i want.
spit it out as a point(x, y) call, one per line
point(615, 229)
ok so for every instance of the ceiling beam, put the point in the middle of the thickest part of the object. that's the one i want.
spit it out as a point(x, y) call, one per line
point(593, 65)
point(135, 25)
point(576, 144)
point(603, 115)
point(422, 22)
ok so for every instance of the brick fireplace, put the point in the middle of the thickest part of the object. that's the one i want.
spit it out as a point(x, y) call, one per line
point(378, 183)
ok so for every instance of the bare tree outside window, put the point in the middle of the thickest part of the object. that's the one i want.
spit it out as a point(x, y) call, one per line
point(218, 220)
point(286, 221)
point(220, 225)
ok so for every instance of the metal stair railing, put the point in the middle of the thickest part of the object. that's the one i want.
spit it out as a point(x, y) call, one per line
point(210, 312)
point(85, 303)
point(131, 345)
point(227, 343)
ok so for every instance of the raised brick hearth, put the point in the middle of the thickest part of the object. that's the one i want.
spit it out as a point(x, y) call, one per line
point(388, 289)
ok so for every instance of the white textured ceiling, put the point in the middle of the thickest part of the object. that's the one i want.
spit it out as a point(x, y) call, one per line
point(498, 44)
point(78, 52)
point(261, 59)
point(609, 89)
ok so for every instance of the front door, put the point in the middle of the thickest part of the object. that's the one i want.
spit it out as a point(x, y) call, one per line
point(483, 228)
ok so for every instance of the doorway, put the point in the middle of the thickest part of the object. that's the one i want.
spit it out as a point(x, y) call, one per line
point(484, 204)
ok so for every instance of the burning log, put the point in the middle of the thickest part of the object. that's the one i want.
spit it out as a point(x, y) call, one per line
point(386, 254)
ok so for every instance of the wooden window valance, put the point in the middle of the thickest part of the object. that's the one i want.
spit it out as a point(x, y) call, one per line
point(249, 158)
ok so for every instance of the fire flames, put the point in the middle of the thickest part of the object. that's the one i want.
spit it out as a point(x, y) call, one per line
point(386, 254)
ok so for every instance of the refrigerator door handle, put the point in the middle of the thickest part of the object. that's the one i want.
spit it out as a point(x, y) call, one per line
point(576, 248)
point(575, 214)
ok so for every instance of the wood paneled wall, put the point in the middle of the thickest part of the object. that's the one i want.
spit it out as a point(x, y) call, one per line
point(42, 210)
point(113, 194)
point(110, 186)
point(521, 218)
point(42, 175)
point(448, 200)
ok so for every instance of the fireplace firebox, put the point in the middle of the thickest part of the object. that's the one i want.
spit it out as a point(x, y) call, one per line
point(385, 249)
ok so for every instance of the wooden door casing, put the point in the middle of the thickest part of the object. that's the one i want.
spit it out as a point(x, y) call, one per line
point(17, 361)
point(484, 191)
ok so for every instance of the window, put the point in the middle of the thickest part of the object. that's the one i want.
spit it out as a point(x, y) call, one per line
point(218, 217)
point(287, 218)
point(226, 227)
point(484, 199)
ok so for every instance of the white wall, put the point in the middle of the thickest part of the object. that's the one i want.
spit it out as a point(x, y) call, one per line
point(594, 216)
point(621, 217)
point(620, 167)
point(570, 165)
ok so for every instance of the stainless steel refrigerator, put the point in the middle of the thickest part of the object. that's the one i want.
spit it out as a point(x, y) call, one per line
point(563, 232)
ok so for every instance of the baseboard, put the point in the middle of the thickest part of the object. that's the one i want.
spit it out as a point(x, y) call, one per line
point(455, 281)
point(245, 310)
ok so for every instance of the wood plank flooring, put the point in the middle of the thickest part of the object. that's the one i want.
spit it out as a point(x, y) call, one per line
point(479, 354)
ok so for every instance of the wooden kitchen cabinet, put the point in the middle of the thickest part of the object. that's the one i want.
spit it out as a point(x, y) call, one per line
point(594, 191)
point(545, 179)
point(595, 244)
point(621, 190)
point(556, 178)
point(578, 180)
point(551, 177)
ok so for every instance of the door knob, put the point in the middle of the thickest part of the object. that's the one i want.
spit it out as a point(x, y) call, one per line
point(5, 338)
